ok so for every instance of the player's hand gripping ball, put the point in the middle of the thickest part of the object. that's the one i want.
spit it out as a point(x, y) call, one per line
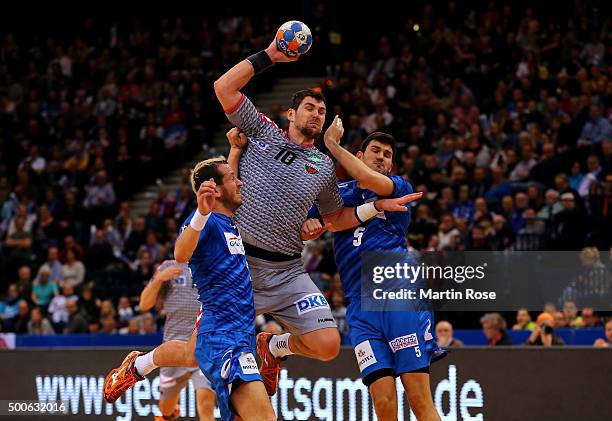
point(293, 38)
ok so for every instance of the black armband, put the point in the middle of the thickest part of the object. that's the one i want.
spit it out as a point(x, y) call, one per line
point(260, 61)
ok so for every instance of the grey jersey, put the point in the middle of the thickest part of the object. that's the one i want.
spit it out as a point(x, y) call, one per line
point(180, 300)
point(282, 180)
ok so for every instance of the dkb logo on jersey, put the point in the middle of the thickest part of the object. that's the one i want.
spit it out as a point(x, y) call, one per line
point(405, 341)
point(311, 302)
point(234, 243)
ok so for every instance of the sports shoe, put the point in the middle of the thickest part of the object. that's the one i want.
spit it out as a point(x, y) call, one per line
point(175, 415)
point(120, 379)
point(270, 365)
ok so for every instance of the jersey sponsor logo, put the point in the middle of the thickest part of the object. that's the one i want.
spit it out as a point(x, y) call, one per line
point(260, 144)
point(325, 320)
point(311, 302)
point(248, 363)
point(406, 341)
point(234, 243)
point(311, 169)
point(365, 355)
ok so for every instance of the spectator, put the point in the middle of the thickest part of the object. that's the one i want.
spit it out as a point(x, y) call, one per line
point(444, 333)
point(77, 323)
point(570, 312)
point(58, 308)
point(109, 326)
point(523, 320)
point(597, 129)
point(589, 319)
point(494, 329)
point(53, 265)
point(569, 224)
point(89, 304)
point(73, 270)
point(9, 306)
point(607, 342)
point(44, 290)
point(543, 334)
point(38, 324)
point(132, 328)
point(24, 283)
point(20, 321)
point(559, 320)
point(124, 310)
point(148, 324)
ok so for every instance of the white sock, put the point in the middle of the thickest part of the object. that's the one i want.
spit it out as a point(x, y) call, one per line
point(144, 364)
point(279, 345)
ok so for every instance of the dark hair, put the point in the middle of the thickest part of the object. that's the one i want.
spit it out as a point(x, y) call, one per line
point(299, 96)
point(205, 170)
point(384, 138)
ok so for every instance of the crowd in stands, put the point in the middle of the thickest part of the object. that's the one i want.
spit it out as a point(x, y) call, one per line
point(501, 114)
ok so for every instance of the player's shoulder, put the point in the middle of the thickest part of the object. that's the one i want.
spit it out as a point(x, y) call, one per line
point(401, 185)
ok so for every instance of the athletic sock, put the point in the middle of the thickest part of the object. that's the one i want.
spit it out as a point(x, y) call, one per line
point(144, 364)
point(279, 345)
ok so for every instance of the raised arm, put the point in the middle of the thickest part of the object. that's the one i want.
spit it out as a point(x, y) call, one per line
point(228, 86)
point(188, 240)
point(357, 169)
point(149, 294)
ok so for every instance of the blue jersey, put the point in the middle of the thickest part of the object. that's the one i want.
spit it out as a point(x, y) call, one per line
point(221, 274)
point(385, 232)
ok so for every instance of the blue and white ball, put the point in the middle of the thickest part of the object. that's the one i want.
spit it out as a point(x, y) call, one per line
point(293, 38)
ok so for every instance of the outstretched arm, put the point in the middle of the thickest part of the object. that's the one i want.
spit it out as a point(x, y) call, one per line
point(347, 218)
point(188, 240)
point(365, 176)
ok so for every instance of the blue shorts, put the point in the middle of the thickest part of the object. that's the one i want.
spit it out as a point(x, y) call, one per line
point(391, 342)
point(226, 357)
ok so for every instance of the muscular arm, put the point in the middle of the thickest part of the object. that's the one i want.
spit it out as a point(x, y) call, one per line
point(186, 244)
point(341, 220)
point(366, 177)
point(227, 87)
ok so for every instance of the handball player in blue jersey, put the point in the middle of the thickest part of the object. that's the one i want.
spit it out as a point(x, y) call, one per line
point(225, 349)
point(387, 343)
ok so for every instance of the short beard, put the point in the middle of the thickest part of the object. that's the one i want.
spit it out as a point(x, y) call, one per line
point(309, 133)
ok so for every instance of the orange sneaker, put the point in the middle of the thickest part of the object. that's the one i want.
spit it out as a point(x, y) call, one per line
point(120, 379)
point(270, 365)
point(175, 415)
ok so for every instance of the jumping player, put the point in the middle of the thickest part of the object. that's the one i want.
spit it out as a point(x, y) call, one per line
point(172, 288)
point(387, 343)
point(225, 348)
point(284, 176)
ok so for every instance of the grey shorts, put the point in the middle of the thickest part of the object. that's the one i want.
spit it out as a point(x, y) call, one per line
point(286, 292)
point(173, 379)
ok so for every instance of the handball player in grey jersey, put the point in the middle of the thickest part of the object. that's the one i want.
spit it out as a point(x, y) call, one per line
point(172, 287)
point(284, 174)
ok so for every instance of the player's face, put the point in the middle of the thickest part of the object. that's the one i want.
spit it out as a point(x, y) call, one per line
point(230, 189)
point(378, 156)
point(309, 117)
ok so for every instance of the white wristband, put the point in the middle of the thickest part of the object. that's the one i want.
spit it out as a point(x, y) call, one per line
point(198, 221)
point(365, 211)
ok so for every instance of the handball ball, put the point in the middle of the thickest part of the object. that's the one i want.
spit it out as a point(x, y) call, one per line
point(293, 38)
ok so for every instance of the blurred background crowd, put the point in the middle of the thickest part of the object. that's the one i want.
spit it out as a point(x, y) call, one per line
point(501, 111)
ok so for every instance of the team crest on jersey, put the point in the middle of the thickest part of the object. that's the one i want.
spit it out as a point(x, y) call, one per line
point(311, 302)
point(234, 243)
point(314, 157)
point(311, 169)
point(406, 341)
